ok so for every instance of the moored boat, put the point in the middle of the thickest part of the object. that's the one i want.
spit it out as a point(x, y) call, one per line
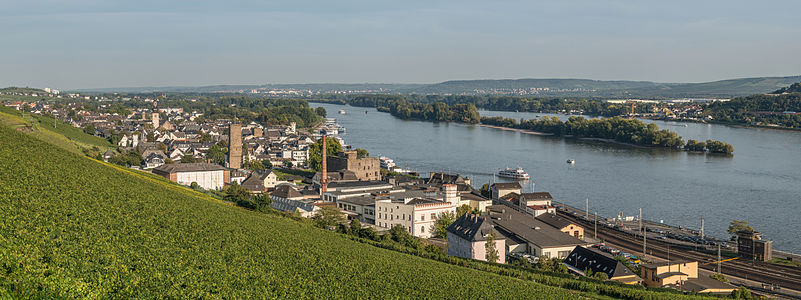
point(516, 173)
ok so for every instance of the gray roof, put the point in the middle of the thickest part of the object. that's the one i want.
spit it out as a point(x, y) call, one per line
point(361, 200)
point(526, 227)
point(286, 191)
point(353, 184)
point(589, 258)
point(555, 221)
point(507, 185)
point(189, 167)
point(536, 196)
point(291, 205)
point(471, 228)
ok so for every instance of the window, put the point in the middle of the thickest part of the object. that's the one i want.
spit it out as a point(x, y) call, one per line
point(433, 216)
point(422, 229)
point(422, 217)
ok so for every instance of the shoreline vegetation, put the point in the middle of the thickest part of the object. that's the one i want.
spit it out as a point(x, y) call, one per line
point(617, 130)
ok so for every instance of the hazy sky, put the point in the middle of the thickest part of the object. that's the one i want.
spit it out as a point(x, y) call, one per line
point(88, 44)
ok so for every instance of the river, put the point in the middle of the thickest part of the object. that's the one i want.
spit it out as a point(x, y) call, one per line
point(761, 183)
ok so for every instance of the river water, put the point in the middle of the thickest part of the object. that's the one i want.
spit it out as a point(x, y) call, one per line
point(761, 183)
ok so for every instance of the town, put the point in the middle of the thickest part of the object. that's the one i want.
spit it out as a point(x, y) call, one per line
point(499, 223)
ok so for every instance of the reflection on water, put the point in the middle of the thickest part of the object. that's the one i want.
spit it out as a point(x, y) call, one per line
point(761, 183)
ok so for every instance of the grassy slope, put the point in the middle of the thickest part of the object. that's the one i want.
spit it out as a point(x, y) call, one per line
point(74, 227)
point(45, 124)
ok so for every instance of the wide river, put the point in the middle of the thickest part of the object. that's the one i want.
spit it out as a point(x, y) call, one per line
point(761, 183)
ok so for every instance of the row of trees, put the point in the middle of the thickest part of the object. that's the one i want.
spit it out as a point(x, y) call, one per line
point(632, 131)
point(709, 146)
point(762, 109)
point(498, 103)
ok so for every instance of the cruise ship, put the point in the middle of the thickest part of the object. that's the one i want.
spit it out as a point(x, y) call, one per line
point(517, 173)
point(386, 162)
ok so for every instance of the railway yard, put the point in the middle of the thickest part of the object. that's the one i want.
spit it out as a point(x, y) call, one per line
point(665, 244)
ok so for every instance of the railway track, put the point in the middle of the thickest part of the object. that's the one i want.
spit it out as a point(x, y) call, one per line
point(787, 277)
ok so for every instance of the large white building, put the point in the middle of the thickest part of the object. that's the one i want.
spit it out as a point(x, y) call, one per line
point(207, 176)
point(417, 214)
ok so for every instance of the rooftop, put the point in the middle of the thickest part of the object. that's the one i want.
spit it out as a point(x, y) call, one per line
point(590, 258)
point(471, 228)
point(530, 229)
point(507, 185)
point(554, 220)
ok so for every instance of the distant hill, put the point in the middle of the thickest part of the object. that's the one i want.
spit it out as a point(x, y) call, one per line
point(547, 87)
point(618, 88)
point(795, 88)
point(553, 85)
point(315, 87)
point(13, 89)
point(722, 88)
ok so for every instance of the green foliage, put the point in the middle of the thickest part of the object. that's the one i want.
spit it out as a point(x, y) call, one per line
point(620, 129)
point(215, 155)
point(719, 277)
point(461, 210)
point(127, 159)
point(186, 159)
point(693, 145)
point(235, 193)
point(741, 293)
point(491, 252)
point(719, 147)
point(737, 226)
point(361, 153)
point(320, 111)
point(89, 129)
point(315, 159)
point(328, 217)
point(760, 109)
point(258, 202)
point(441, 225)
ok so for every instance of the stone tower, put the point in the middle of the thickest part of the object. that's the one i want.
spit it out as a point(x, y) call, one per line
point(154, 117)
point(235, 146)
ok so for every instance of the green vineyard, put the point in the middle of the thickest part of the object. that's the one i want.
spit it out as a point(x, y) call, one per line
point(72, 227)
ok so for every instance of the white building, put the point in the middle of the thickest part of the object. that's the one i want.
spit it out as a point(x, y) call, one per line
point(418, 214)
point(207, 176)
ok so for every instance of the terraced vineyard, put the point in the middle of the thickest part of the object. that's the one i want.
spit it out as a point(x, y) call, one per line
point(74, 227)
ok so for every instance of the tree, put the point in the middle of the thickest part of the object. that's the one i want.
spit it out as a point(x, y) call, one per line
point(441, 225)
point(236, 193)
point(737, 226)
point(320, 111)
point(288, 164)
point(489, 246)
point(355, 227)
point(361, 153)
point(215, 155)
point(187, 159)
point(328, 216)
point(205, 137)
point(194, 186)
point(461, 210)
point(741, 293)
point(89, 129)
point(169, 161)
point(315, 159)
point(400, 234)
point(261, 202)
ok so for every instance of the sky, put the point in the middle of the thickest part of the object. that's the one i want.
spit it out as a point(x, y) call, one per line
point(96, 44)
